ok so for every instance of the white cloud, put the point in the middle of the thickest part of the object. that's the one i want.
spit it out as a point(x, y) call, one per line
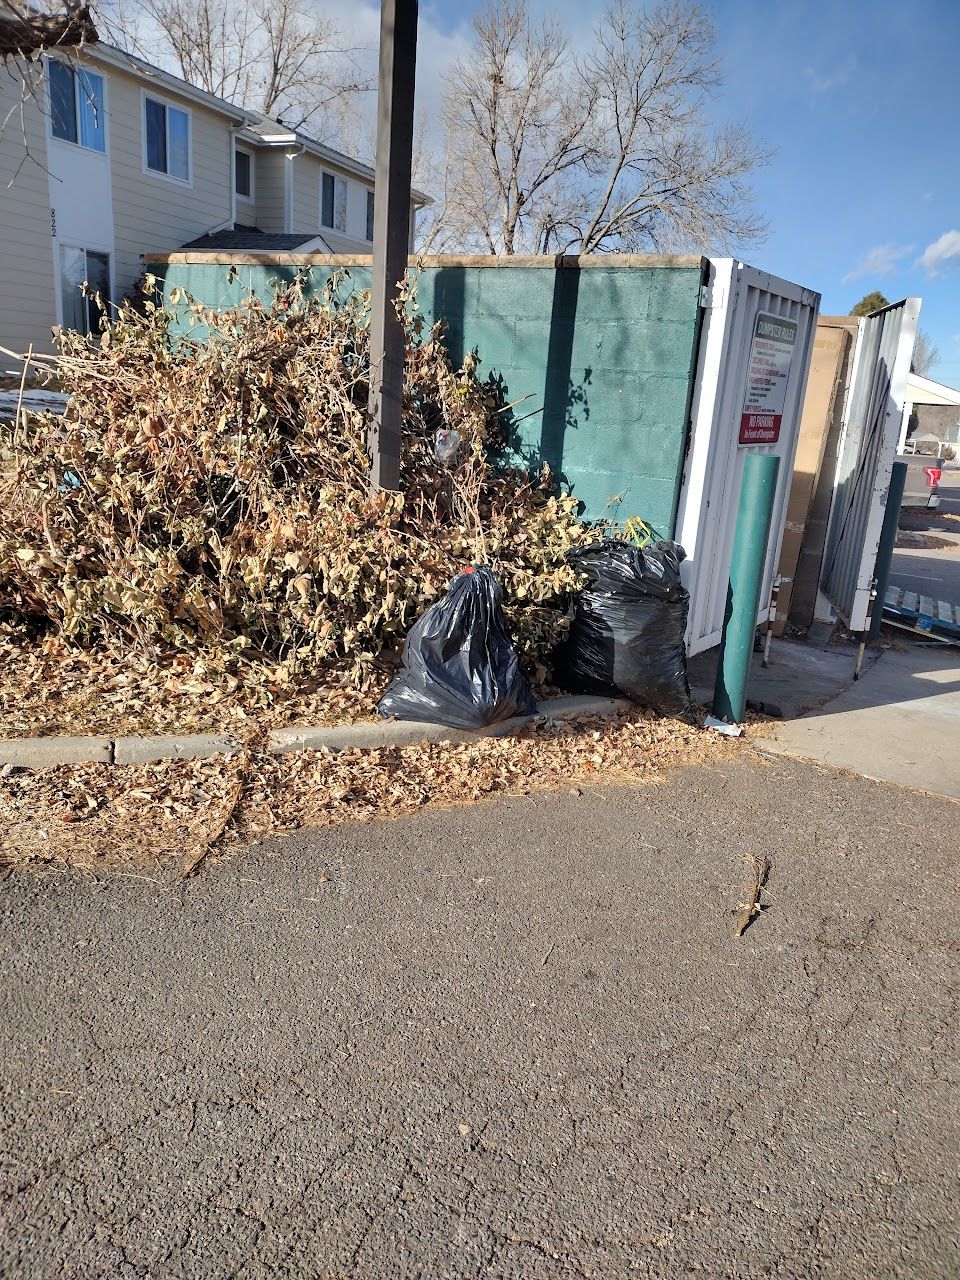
point(944, 252)
point(881, 260)
point(822, 82)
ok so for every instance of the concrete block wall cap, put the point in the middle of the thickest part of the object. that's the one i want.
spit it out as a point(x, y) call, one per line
point(174, 746)
point(46, 753)
point(334, 261)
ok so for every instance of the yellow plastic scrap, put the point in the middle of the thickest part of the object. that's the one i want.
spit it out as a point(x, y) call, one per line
point(638, 530)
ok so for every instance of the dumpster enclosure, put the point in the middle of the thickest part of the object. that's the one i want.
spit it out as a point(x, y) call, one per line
point(848, 441)
point(811, 490)
point(751, 377)
point(633, 376)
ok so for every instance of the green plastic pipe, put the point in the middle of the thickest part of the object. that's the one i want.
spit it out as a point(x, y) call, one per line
point(888, 537)
point(754, 514)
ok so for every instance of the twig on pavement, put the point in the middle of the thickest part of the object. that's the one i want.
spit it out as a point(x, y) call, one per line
point(753, 907)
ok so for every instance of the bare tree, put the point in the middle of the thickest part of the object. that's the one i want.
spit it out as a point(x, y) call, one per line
point(926, 353)
point(278, 57)
point(554, 152)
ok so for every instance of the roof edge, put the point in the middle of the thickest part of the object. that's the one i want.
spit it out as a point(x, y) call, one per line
point(134, 65)
point(951, 394)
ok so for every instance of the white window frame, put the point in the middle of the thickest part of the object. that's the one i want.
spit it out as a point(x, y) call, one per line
point(167, 103)
point(337, 177)
point(251, 198)
point(104, 82)
point(58, 246)
point(370, 194)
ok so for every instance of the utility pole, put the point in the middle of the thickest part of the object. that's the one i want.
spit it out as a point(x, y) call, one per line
point(391, 235)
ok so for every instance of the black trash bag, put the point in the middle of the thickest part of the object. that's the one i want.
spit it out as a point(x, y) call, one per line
point(627, 634)
point(459, 664)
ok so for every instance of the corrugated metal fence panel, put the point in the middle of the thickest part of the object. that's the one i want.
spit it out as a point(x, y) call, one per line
point(707, 515)
point(865, 458)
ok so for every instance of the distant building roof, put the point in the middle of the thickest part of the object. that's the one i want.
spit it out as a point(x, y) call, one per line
point(253, 126)
point(926, 391)
point(253, 240)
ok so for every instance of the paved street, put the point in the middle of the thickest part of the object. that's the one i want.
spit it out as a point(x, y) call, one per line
point(934, 573)
point(514, 1040)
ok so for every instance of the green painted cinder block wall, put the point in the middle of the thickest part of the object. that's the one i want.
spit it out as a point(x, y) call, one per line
point(604, 355)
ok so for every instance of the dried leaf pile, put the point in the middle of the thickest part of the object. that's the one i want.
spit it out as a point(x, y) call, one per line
point(49, 686)
point(173, 813)
point(203, 505)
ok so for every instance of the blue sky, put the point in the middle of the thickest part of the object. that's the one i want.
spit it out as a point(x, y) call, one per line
point(862, 100)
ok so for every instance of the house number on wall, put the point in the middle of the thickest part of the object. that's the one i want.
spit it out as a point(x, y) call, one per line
point(53, 223)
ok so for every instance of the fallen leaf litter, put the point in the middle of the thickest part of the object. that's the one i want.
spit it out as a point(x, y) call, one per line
point(186, 813)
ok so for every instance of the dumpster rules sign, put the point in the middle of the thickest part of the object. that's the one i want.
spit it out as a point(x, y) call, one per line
point(767, 374)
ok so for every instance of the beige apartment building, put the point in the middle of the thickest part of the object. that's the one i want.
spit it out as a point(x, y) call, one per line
point(110, 158)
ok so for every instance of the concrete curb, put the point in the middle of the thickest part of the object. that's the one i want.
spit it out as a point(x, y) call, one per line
point(46, 753)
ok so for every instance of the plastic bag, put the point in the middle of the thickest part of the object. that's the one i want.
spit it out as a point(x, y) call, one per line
point(445, 446)
point(627, 634)
point(459, 664)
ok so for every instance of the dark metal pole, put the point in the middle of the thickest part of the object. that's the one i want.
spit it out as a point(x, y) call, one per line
point(391, 235)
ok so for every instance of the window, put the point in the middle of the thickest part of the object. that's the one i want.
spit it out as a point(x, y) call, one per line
point(76, 106)
point(243, 173)
point(76, 267)
point(333, 202)
point(167, 134)
point(369, 215)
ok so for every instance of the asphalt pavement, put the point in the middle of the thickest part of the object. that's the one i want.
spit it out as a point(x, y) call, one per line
point(934, 573)
point(513, 1040)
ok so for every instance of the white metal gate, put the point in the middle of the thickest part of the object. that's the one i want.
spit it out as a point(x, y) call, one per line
point(707, 515)
point(865, 456)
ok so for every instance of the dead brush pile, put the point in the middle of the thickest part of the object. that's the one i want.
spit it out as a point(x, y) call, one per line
point(206, 494)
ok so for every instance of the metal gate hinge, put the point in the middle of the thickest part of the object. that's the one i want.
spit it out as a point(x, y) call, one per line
point(710, 296)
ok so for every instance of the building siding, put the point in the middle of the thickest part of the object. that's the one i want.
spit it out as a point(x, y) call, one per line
point(153, 212)
point(270, 186)
point(246, 211)
point(306, 205)
point(27, 306)
point(306, 193)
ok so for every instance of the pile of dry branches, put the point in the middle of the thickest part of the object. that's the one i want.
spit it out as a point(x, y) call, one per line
point(27, 30)
point(206, 492)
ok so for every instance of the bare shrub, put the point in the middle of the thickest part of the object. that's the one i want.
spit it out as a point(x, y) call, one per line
point(208, 489)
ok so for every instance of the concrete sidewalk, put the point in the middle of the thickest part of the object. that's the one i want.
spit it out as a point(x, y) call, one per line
point(799, 677)
point(899, 723)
